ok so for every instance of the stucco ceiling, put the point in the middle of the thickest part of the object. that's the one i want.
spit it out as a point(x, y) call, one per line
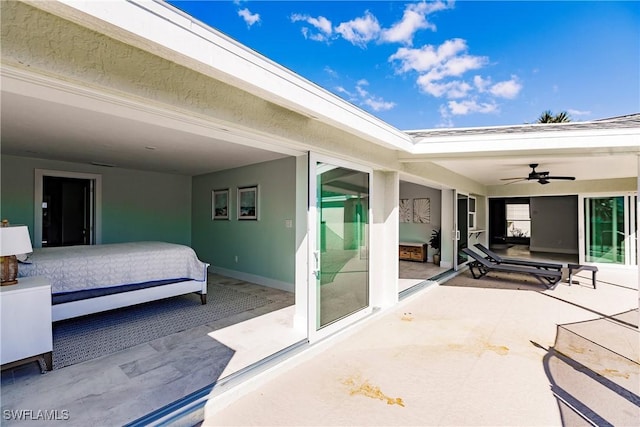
point(491, 171)
point(37, 128)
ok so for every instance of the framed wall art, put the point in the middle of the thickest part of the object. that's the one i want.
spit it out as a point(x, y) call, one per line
point(422, 211)
point(405, 210)
point(248, 203)
point(220, 204)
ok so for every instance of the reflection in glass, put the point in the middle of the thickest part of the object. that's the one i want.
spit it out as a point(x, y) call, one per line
point(605, 228)
point(343, 209)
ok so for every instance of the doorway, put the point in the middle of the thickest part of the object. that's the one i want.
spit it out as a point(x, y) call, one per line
point(66, 211)
point(67, 208)
point(462, 229)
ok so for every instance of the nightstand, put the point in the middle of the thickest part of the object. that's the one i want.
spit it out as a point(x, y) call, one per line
point(25, 323)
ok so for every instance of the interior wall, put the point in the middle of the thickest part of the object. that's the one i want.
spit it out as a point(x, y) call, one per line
point(262, 251)
point(419, 232)
point(554, 224)
point(136, 205)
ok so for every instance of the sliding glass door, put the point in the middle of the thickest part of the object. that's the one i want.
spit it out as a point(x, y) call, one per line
point(340, 213)
point(610, 226)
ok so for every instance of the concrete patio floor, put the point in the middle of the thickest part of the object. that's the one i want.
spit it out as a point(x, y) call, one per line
point(466, 352)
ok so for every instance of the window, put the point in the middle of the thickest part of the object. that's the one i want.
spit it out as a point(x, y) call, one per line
point(472, 213)
point(518, 220)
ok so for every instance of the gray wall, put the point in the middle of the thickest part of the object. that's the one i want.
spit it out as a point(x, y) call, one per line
point(136, 205)
point(265, 248)
point(417, 232)
point(554, 224)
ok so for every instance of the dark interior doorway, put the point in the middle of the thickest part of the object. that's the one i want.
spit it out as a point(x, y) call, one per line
point(509, 222)
point(66, 211)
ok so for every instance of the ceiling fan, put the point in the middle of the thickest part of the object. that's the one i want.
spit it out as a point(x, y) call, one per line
point(541, 177)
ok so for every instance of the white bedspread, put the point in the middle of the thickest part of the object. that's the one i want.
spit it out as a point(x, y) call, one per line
point(73, 268)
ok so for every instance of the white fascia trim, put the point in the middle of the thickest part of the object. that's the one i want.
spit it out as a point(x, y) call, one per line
point(200, 47)
point(625, 139)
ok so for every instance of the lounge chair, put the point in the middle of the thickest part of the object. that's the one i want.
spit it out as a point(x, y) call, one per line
point(481, 266)
point(492, 256)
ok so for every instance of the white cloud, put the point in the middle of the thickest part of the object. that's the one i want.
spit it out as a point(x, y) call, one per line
point(451, 89)
point(507, 89)
point(481, 83)
point(413, 19)
point(415, 59)
point(442, 60)
point(436, 65)
point(470, 106)
point(249, 18)
point(361, 96)
point(374, 102)
point(360, 88)
point(333, 73)
point(341, 89)
point(323, 27)
point(361, 30)
point(578, 112)
point(445, 115)
point(441, 73)
point(377, 104)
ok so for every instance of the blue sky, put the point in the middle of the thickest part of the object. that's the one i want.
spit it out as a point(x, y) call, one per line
point(420, 65)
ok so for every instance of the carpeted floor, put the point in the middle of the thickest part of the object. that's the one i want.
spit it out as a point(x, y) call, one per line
point(88, 337)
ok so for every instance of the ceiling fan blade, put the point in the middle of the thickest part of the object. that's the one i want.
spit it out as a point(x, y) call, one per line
point(543, 181)
point(569, 178)
point(511, 179)
point(514, 180)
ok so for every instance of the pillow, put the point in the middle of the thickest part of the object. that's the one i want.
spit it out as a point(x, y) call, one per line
point(23, 258)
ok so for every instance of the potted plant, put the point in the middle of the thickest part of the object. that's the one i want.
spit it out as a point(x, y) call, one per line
point(434, 242)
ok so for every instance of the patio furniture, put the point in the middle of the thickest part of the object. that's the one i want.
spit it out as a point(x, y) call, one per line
point(492, 256)
point(481, 266)
point(575, 268)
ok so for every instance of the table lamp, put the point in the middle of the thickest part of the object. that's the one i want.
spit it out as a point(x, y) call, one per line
point(14, 240)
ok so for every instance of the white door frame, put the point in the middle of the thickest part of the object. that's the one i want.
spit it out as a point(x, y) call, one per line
point(314, 333)
point(630, 210)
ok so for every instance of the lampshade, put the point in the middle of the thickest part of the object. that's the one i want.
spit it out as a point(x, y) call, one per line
point(15, 240)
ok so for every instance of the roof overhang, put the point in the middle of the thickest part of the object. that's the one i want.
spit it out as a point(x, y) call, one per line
point(159, 28)
point(598, 141)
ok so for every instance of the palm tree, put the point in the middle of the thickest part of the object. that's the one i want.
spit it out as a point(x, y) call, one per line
point(549, 117)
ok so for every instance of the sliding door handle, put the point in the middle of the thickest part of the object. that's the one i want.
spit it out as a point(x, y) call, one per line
point(316, 264)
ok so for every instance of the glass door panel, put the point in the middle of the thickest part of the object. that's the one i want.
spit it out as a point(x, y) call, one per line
point(611, 229)
point(342, 244)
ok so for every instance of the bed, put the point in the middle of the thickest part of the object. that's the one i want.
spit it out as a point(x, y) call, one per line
point(90, 279)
